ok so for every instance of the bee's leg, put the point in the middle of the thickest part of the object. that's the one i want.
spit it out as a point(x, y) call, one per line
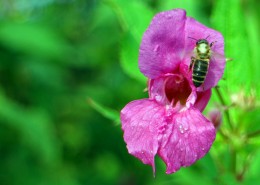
point(192, 62)
point(212, 43)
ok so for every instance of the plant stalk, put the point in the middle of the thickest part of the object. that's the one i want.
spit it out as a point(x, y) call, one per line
point(226, 112)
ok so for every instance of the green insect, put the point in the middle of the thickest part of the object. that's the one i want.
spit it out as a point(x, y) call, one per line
point(200, 62)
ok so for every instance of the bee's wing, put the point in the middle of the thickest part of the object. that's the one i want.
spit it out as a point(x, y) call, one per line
point(215, 71)
point(216, 56)
point(186, 55)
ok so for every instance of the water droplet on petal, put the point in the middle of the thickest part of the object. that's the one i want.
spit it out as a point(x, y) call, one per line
point(158, 98)
point(156, 48)
point(169, 16)
point(203, 149)
point(181, 128)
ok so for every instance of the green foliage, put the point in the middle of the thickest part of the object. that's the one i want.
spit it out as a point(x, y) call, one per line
point(199, 9)
point(240, 33)
point(238, 23)
point(35, 129)
point(105, 111)
point(134, 18)
point(24, 37)
point(129, 57)
point(68, 67)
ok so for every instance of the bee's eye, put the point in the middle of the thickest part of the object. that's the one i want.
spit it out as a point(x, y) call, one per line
point(197, 43)
point(201, 41)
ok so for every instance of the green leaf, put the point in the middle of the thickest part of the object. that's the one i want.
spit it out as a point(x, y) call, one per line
point(135, 15)
point(32, 39)
point(190, 176)
point(229, 19)
point(228, 178)
point(250, 120)
point(252, 28)
point(254, 166)
point(129, 58)
point(134, 18)
point(34, 126)
point(105, 111)
point(195, 9)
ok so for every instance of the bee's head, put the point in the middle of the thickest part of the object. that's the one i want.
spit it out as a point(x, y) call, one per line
point(202, 41)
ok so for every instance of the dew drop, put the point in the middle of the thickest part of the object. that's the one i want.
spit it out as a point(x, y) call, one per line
point(169, 16)
point(203, 149)
point(142, 152)
point(181, 129)
point(156, 48)
point(158, 98)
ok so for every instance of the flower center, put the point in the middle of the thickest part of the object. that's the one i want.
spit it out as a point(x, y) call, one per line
point(177, 89)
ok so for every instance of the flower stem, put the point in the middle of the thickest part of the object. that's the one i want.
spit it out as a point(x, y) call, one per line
point(253, 134)
point(223, 134)
point(248, 161)
point(223, 103)
point(233, 160)
point(233, 151)
point(119, 13)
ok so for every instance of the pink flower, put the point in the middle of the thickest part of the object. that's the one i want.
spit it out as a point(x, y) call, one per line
point(170, 123)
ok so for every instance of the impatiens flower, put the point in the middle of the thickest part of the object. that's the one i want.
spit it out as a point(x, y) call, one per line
point(169, 123)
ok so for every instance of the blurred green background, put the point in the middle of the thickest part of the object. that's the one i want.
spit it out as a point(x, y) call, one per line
point(67, 67)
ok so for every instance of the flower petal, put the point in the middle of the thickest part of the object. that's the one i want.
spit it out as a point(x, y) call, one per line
point(197, 30)
point(141, 120)
point(188, 138)
point(162, 43)
point(215, 73)
point(169, 89)
point(202, 99)
point(156, 89)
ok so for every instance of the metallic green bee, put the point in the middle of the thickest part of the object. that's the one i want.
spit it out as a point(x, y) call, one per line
point(200, 62)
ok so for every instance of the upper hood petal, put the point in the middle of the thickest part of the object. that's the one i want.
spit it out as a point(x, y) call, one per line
point(162, 43)
point(196, 30)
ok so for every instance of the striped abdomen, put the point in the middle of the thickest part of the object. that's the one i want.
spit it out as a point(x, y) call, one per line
point(199, 72)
